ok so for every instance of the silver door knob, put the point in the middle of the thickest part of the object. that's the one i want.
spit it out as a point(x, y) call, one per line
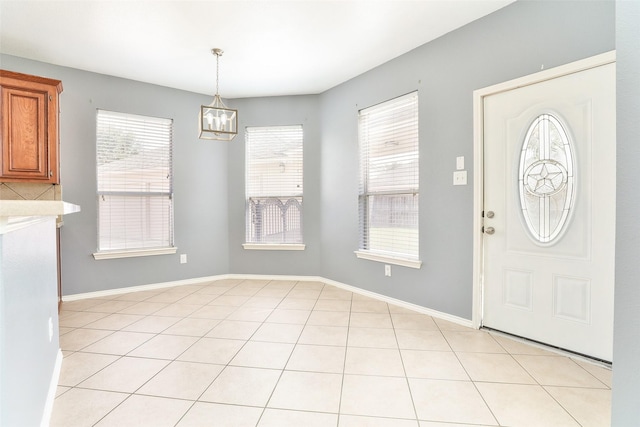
point(490, 214)
point(489, 230)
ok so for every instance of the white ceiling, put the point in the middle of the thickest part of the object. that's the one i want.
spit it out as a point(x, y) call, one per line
point(271, 47)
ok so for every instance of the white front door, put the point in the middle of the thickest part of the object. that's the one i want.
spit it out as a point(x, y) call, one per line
point(549, 209)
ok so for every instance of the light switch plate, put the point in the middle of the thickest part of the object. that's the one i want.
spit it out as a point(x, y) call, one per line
point(460, 178)
point(460, 163)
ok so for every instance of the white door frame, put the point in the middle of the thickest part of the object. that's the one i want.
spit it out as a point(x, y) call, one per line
point(478, 159)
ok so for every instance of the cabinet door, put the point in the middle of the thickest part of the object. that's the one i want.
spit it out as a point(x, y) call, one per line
point(25, 136)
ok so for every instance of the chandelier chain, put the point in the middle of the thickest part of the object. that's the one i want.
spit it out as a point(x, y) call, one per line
point(217, 73)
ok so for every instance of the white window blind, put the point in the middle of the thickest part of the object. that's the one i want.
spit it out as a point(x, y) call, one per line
point(274, 184)
point(389, 174)
point(135, 206)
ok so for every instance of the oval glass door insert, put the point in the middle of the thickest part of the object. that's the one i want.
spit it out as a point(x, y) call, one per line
point(546, 179)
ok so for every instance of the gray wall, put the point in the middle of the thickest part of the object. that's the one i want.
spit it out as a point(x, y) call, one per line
point(277, 111)
point(626, 348)
point(200, 180)
point(513, 42)
point(209, 176)
point(28, 300)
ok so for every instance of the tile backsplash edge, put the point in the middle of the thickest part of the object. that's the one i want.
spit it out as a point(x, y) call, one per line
point(31, 191)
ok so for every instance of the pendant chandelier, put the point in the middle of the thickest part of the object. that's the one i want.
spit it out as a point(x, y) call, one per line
point(218, 122)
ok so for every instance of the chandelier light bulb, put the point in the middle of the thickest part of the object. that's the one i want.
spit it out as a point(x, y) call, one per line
point(223, 119)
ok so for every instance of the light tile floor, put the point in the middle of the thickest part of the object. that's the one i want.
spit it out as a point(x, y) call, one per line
point(284, 353)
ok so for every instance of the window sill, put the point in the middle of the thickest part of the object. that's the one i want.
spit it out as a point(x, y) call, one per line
point(134, 253)
point(274, 247)
point(388, 259)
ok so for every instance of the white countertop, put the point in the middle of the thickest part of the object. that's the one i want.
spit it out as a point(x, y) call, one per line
point(15, 214)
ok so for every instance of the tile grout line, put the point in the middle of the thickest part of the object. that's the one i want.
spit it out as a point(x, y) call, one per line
point(539, 384)
point(264, 409)
point(159, 333)
point(270, 339)
point(262, 323)
point(344, 362)
point(404, 369)
point(122, 356)
point(176, 360)
point(475, 386)
point(225, 366)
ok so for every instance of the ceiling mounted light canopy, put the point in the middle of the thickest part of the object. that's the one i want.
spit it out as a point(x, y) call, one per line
point(218, 122)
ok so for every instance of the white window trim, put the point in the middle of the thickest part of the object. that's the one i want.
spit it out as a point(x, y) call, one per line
point(134, 253)
point(388, 259)
point(274, 247)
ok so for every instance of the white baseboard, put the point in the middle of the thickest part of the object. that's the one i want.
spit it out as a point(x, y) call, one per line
point(150, 287)
point(272, 277)
point(424, 310)
point(434, 313)
point(400, 303)
point(51, 395)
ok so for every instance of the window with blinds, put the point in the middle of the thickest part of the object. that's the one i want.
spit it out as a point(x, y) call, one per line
point(274, 184)
point(388, 194)
point(135, 206)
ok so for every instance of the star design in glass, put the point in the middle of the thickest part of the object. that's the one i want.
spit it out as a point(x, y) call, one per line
point(545, 178)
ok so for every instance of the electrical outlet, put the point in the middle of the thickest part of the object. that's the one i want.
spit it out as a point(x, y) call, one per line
point(387, 270)
point(460, 178)
point(183, 258)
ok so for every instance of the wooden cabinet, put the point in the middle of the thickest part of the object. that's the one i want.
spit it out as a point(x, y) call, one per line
point(30, 140)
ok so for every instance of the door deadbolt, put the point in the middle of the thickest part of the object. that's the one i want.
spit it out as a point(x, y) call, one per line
point(490, 214)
